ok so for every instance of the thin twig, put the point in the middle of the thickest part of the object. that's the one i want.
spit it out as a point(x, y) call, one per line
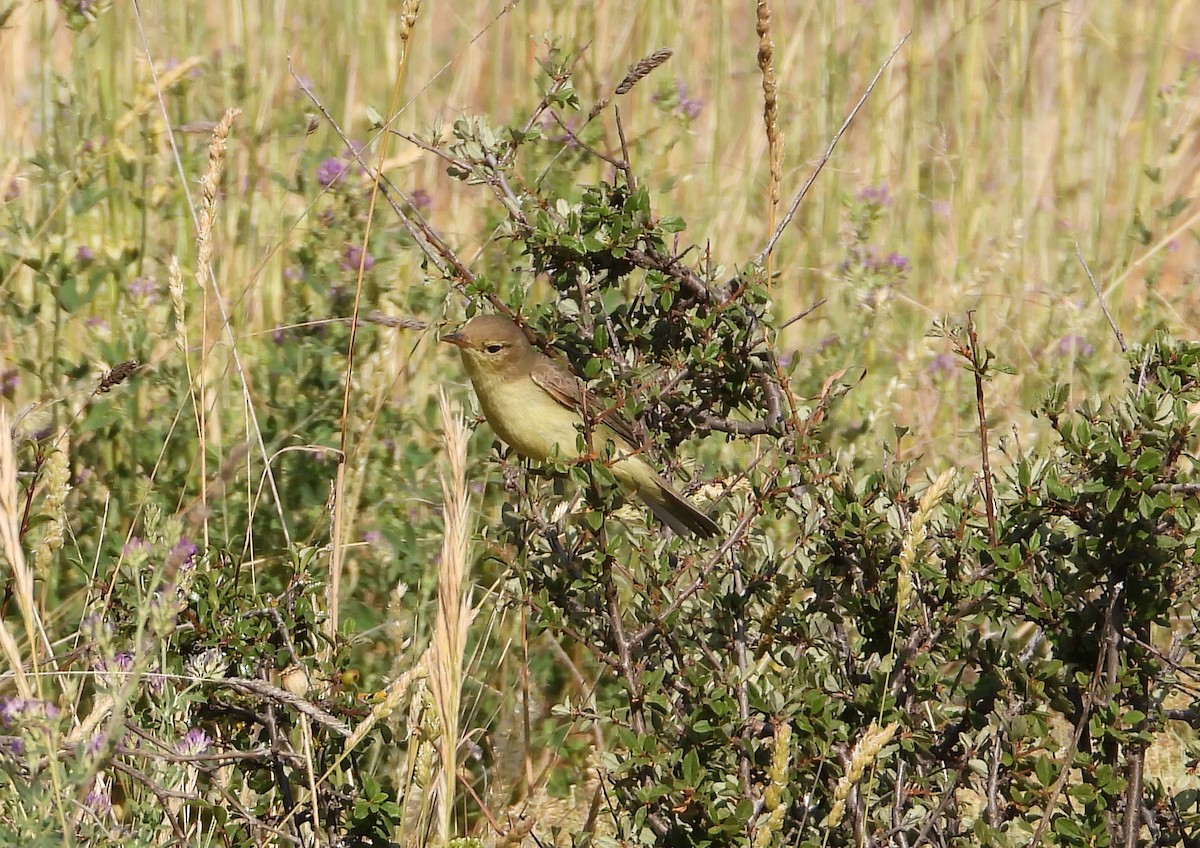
point(1100, 298)
point(734, 537)
point(989, 494)
point(791, 213)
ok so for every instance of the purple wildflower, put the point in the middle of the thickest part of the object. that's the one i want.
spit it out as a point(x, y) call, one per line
point(195, 741)
point(372, 537)
point(352, 257)
point(111, 672)
point(1074, 346)
point(96, 323)
point(678, 100)
point(898, 262)
point(183, 555)
point(420, 200)
point(15, 710)
point(98, 800)
point(85, 254)
point(874, 195)
point(207, 664)
point(95, 744)
point(9, 381)
point(12, 746)
point(143, 288)
point(689, 107)
point(135, 543)
point(331, 172)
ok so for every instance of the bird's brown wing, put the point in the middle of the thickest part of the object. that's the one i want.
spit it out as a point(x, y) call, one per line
point(569, 390)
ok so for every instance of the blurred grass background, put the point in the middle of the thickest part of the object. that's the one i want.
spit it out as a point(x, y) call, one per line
point(1003, 135)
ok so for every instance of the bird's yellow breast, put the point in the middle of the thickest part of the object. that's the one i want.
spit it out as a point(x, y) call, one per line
point(538, 427)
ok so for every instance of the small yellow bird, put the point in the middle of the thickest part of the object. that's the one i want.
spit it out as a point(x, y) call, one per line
point(537, 407)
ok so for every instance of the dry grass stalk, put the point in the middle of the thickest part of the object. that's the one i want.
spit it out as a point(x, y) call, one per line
point(861, 758)
point(642, 69)
point(375, 316)
point(766, 51)
point(205, 218)
point(392, 696)
point(10, 539)
point(453, 610)
point(916, 536)
point(208, 193)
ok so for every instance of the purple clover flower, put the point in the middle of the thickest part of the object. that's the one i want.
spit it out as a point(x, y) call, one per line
point(874, 195)
point(84, 255)
point(331, 172)
point(678, 101)
point(95, 744)
point(689, 107)
point(352, 257)
point(898, 261)
point(1074, 346)
point(183, 555)
point(15, 710)
point(144, 289)
point(421, 200)
point(195, 741)
point(98, 800)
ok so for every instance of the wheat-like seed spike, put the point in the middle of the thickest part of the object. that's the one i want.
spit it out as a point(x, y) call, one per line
point(917, 534)
point(861, 758)
point(638, 72)
point(206, 215)
point(408, 18)
point(778, 775)
point(766, 51)
point(119, 373)
point(58, 486)
point(175, 286)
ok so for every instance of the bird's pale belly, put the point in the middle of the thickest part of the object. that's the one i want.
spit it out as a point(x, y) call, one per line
point(533, 429)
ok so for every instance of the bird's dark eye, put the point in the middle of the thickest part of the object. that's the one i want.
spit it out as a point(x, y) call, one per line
point(494, 347)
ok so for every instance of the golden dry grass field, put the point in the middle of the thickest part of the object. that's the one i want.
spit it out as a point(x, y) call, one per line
point(1029, 163)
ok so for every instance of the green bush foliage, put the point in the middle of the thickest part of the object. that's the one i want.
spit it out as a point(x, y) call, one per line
point(997, 648)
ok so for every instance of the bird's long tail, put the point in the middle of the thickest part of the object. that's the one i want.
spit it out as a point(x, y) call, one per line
point(676, 511)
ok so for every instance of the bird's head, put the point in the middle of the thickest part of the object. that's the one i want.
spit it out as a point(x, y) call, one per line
point(494, 346)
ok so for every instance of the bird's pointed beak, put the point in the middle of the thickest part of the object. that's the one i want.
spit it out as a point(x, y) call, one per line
point(456, 339)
